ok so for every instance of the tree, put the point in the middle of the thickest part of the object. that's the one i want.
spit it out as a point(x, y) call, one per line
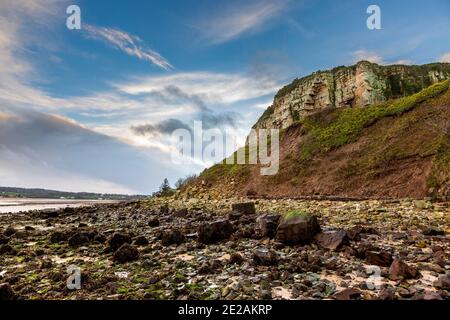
point(165, 190)
point(165, 186)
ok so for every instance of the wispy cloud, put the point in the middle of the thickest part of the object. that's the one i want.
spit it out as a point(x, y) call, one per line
point(240, 19)
point(128, 43)
point(445, 58)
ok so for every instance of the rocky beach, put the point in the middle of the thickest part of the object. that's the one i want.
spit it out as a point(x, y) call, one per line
point(178, 248)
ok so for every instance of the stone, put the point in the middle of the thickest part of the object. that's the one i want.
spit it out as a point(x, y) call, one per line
point(6, 292)
point(181, 213)
point(432, 296)
point(382, 259)
point(164, 209)
point(7, 249)
point(298, 229)
point(244, 207)
point(126, 253)
point(46, 264)
point(172, 236)
point(58, 237)
point(236, 258)
point(234, 216)
point(117, 240)
point(3, 239)
point(442, 282)
point(421, 204)
point(331, 240)
point(348, 294)
point(141, 241)
point(386, 294)
point(212, 232)
point(265, 257)
point(433, 232)
point(267, 225)
point(399, 270)
point(265, 295)
point(78, 239)
point(9, 231)
point(154, 222)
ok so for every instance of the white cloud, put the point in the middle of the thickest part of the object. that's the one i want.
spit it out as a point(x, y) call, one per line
point(234, 22)
point(128, 43)
point(211, 87)
point(368, 56)
point(445, 58)
point(373, 57)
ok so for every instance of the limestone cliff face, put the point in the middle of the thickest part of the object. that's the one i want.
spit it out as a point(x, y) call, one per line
point(358, 86)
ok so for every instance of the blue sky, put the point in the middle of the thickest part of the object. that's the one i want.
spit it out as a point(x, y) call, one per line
point(91, 109)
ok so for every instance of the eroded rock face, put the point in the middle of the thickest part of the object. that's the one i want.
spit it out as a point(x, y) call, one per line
point(215, 231)
point(356, 86)
point(299, 229)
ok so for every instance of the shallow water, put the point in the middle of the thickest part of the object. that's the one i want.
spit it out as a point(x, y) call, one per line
point(8, 205)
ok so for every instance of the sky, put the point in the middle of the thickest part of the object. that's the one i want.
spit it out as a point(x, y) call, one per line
point(93, 109)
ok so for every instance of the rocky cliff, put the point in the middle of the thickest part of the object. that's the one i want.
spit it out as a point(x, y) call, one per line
point(364, 131)
point(357, 86)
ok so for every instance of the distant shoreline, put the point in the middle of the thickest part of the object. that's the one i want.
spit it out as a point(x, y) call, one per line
point(15, 205)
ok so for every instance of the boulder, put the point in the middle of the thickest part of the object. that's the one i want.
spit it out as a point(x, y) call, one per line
point(433, 232)
point(244, 207)
point(79, 239)
point(6, 292)
point(297, 228)
point(348, 294)
point(181, 213)
point(173, 236)
point(126, 253)
point(265, 257)
point(443, 282)
point(164, 209)
point(382, 259)
point(267, 225)
point(9, 231)
point(331, 240)
point(117, 240)
point(212, 232)
point(236, 258)
point(3, 239)
point(7, 249)
point(399, 270)
point(58, 236)
point(141, 241)
point(153, 222)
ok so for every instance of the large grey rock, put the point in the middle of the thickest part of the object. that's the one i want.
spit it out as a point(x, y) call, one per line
point(267, 225)
point(297, 228)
